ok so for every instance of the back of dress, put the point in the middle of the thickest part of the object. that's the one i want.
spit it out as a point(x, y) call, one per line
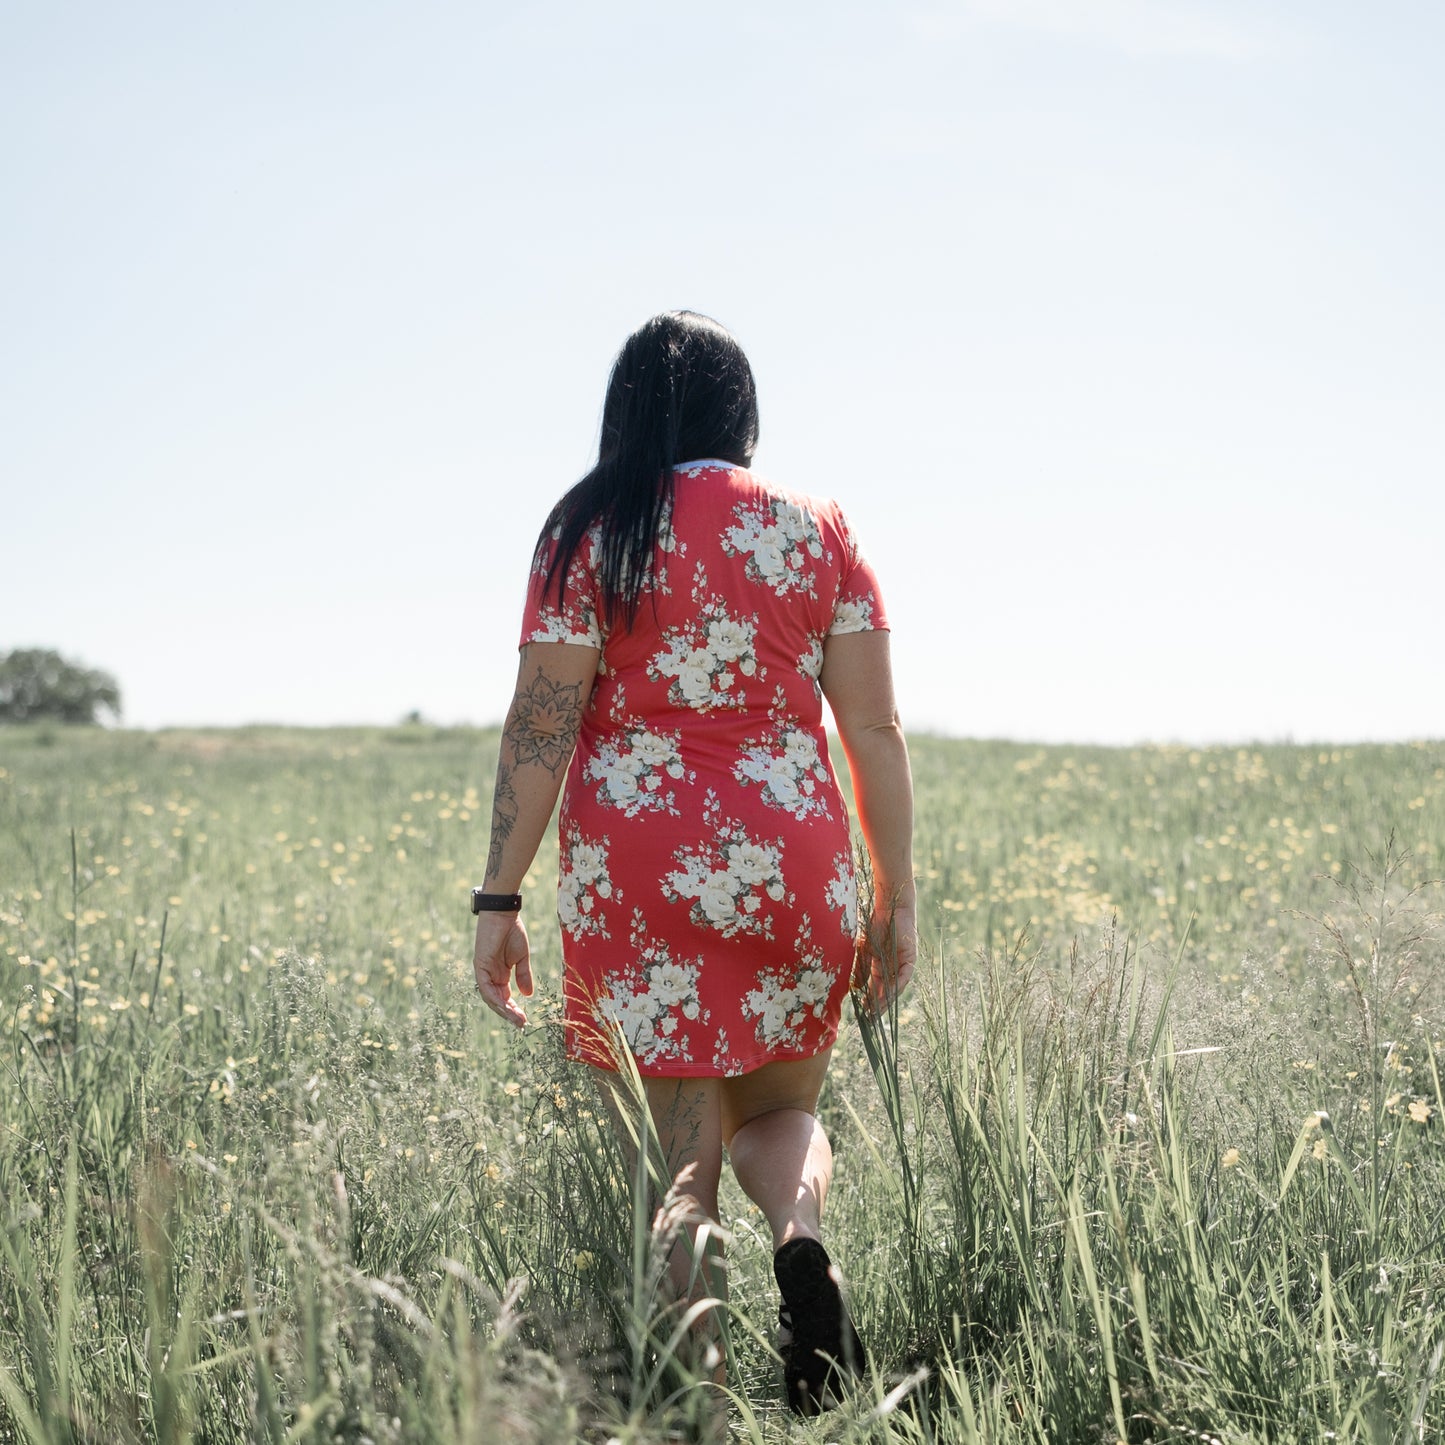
point(706, 892)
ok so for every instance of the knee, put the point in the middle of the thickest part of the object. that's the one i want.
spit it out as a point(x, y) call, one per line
point(788, 1119)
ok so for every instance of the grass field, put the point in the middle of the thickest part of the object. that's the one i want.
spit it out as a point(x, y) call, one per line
point(1152, 1152)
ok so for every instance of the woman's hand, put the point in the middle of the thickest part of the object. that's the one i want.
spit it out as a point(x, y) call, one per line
point(501, 950)
point(886, 953)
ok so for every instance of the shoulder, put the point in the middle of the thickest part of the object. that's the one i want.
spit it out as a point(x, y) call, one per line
point(754, 484)
point(756, 506)
point(549, 544)
point(823, 514)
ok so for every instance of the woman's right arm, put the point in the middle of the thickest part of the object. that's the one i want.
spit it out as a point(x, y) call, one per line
point(554, 682)
point(857, 680)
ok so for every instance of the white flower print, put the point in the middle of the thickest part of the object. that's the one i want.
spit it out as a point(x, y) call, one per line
point(654, 1001)
point(810, 664)
point(751, 863)
point(843, 893)
point(582, 880)
point(632, 771)
point(657, 750)
point(788, 769)
point(730, 640)
point(670, 983)
point(574, 623)
point(785, 998)
point(777, 536)
point(576, 619)
point(656, 578)
point(722, 1059)
point(726, 881)
point(717, 901)
point(813, 987)
point(852, 614)
point(700, 659)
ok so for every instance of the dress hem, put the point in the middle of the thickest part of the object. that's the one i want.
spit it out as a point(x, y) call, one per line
point(697, 1069)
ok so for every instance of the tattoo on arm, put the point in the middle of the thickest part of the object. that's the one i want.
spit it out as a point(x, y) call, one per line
point(542, 726)
point(504, 817)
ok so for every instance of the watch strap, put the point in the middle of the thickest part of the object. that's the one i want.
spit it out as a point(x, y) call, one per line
point(483, 902)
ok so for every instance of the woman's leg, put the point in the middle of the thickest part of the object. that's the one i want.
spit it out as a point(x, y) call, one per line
point(779, 1152)
point(686, 1117)
point(687, 1121)
point(783, 1161)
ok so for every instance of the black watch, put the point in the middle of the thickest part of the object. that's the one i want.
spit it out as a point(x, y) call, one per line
point(483, 902)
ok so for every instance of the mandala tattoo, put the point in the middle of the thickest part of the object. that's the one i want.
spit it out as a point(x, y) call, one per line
point(543, 724)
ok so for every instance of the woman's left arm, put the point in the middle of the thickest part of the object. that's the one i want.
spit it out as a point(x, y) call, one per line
point(554, 682)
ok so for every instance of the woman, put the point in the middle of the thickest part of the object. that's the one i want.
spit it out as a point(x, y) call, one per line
point(684, 622)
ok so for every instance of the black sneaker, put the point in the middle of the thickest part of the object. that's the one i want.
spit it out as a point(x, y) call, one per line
point(822, 1349)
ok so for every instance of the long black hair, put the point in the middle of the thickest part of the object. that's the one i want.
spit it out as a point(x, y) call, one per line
point(680, 390)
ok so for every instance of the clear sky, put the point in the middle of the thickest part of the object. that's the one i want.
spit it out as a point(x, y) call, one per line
point(1118, 326)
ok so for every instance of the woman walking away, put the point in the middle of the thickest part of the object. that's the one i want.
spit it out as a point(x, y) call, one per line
point(684, 622)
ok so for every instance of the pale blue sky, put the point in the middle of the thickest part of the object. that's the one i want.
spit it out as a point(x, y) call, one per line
point(1117, 325)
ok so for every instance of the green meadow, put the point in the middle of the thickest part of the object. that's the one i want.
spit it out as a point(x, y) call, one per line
point(1151, 1151)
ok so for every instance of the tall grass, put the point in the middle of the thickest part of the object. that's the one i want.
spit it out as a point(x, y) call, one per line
point(1101, 1261)
point(267, 1173)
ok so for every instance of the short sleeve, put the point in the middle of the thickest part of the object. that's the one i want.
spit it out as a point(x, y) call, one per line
point(575, 618)
point(859, 607)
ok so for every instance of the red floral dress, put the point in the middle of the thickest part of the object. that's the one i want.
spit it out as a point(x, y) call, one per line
point(706, 892)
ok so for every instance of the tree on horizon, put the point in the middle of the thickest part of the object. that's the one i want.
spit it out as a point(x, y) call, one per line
point(39, 685)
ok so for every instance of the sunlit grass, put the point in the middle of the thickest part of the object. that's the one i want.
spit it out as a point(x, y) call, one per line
point(1153, 1150)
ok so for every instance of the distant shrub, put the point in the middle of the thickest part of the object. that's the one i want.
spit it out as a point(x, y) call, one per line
point(37, 685)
